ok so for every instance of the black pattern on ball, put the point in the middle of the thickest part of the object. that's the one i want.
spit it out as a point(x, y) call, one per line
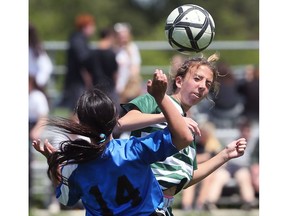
point(189, 28)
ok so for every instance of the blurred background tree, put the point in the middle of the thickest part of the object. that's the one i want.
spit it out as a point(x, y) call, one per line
point(235, 20)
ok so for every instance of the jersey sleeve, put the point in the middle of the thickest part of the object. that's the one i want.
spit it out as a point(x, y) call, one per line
point(195, 163)
point(156, 146)
point(145, 103)
point(67, 194)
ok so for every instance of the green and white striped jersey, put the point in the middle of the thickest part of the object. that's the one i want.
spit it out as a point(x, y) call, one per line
point(176, 170)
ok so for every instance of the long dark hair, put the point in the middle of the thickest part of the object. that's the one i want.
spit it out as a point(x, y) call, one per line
point(97, 116)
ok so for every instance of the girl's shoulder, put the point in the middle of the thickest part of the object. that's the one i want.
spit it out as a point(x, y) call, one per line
point(145, 103)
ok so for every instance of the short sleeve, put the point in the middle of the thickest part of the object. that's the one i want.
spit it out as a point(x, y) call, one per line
point(65, 193)
point(145, 103)
point(156, 146)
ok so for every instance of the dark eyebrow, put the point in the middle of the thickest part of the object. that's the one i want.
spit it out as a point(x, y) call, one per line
point(201, 76)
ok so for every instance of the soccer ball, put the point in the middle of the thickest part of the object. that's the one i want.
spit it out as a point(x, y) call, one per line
point(189, 28)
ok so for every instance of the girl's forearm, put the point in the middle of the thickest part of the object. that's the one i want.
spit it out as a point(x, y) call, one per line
point(180, 133)
point(135, 120)
point(209, 166)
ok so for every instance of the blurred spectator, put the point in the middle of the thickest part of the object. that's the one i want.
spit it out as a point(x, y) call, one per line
point(208, 145)
point(129, 82)
point(78, 78)
point(228, 103)
point(176, 61)
point(40, 64)
point(249, 89)
point(105, 66)
point(237, 169)
point(38, 111)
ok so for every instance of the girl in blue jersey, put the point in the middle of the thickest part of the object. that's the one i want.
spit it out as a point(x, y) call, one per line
point(191, 83)
point(113, 176)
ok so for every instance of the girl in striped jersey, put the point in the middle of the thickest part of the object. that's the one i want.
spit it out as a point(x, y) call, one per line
point(193, 80)
point(113, 176)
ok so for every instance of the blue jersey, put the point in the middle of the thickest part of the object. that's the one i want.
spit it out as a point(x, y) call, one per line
point(121, 181)
point(178, 169)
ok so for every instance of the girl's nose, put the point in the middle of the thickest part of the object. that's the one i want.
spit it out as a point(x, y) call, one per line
point(202, 85)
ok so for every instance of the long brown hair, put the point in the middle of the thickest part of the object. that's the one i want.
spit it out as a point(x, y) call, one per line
point(193, 62)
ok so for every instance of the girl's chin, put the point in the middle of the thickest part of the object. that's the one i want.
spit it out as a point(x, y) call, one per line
point(195, 99)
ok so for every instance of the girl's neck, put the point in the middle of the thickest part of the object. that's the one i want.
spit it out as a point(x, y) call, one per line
point(178, 99)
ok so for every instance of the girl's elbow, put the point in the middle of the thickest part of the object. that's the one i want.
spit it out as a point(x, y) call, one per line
point(189, 138)
point(185, 141)
point(119, 128)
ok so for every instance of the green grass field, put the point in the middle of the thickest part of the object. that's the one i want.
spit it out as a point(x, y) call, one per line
point(177, 212)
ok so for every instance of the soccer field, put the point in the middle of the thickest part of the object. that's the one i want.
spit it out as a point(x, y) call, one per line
point(177, 212)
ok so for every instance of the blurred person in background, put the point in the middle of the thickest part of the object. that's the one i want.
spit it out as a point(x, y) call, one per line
point(238, 169)
point(129, 82)
point(249, 90)
point(38, 109)
point(40, 64)
point(228, 103)
point(38, 112)
point(176, 61)
point(208, 145)
point(78, 78)
point(104, 65)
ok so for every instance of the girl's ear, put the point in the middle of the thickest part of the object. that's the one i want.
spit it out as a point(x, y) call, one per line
point(178, 81)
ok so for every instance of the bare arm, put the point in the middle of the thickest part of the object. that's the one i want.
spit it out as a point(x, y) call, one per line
point(135, 119)
point(233, 150)
point(180, 133)
point(203, 157)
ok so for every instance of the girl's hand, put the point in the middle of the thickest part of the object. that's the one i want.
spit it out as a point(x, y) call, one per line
point(236, 148)
point(45, 150)
point(157, 88)
point(193, 126)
